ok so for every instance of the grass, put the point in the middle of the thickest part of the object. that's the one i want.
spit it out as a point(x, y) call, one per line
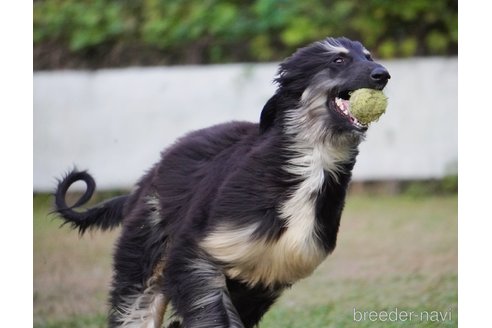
point(394, 253)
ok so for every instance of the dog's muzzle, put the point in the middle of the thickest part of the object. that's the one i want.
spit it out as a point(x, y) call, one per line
point(380, 77)
point(372, 76)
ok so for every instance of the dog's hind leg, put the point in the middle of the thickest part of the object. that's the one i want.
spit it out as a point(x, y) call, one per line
point(141, 309)
point(137, 298)
point(197, 289)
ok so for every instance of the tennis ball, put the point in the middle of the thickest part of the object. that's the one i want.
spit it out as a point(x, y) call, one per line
point(367, 105)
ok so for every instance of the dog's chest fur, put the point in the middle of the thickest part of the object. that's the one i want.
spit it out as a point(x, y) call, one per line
point(297, 252)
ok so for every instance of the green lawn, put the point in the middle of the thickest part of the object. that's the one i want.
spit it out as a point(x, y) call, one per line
point(395, 254)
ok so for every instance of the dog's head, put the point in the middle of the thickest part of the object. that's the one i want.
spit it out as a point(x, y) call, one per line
point(316, 80)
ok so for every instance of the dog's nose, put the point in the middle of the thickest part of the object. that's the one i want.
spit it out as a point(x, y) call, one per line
point(380, 75)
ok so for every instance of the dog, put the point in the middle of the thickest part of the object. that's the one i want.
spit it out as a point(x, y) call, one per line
point(234, 214)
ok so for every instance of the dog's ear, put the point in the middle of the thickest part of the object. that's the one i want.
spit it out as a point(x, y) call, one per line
point(268, 114)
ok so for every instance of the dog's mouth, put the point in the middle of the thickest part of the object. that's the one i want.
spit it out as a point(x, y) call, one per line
point(341, 103)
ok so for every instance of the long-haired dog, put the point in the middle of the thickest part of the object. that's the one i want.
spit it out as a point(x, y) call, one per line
point(234, 214)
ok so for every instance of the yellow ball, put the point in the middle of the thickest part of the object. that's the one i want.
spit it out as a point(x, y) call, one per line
point(367, 105)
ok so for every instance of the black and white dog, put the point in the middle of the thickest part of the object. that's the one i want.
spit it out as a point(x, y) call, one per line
point(234, 214)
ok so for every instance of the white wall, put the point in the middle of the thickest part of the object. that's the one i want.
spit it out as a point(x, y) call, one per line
point(115, 122)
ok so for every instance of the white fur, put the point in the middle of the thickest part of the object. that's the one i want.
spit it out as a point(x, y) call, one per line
point(296, 253)
point(155, 216)
point(333, 45)
point(214, 283)
point(145, 310)
point(211, 292)
point(317, 150)
point(289, 259)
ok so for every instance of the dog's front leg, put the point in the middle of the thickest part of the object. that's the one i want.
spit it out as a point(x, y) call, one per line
point(198, 292)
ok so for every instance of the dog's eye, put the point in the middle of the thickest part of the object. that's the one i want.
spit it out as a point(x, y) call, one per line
point(339, 60)
point(368, 57)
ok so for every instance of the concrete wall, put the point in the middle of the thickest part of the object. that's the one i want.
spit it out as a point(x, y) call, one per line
point(116, 122)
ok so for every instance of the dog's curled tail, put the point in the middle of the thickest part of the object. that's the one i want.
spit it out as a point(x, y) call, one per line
point(105, 215)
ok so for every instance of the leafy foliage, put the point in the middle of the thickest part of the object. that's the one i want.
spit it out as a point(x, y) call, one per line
point(210, 31)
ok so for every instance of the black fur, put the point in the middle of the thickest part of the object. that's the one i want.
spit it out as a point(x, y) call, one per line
point(236, 176)
point(104, 216)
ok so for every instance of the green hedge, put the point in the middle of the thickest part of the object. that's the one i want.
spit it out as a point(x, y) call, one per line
point(209, 31)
